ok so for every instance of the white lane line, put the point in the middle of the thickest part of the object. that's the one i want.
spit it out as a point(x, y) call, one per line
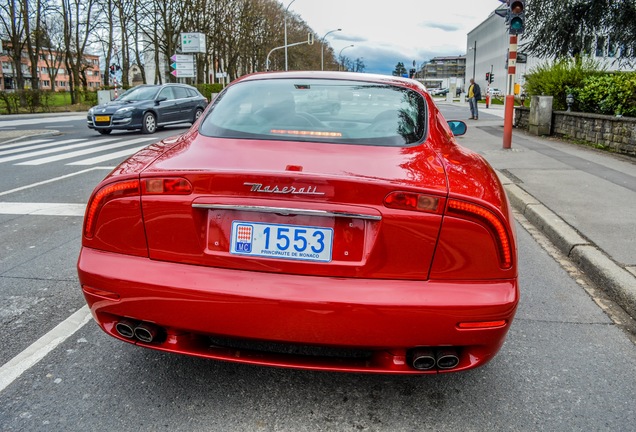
point(28, 358)
point(48, 151)
point(42, 209)
point(107, 157)
point(23, 143)
point(32, 185)
point(96, 149)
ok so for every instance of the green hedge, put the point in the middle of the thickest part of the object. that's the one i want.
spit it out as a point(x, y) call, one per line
point(207, 89)
point(594, 89)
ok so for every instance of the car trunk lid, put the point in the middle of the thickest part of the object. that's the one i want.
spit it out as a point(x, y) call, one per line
point(296, 207)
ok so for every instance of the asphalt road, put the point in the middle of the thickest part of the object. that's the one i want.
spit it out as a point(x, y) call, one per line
point(565, 365)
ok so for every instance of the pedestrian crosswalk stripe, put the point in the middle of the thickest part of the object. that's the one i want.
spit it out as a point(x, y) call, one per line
point(48, 151)
point(96, 149)
point(23, 144)
point(110, 156)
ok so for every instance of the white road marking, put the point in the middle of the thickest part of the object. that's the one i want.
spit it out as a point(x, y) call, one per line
point(106, 157)
point(48, 151)
point(32, 185)
point(28, 358)
point(23, 144)
point(33, 147)
point(96, 149)
point(42, 209)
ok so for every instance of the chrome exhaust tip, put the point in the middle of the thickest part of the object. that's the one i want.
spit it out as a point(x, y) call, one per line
point(447, 358)
point(422, 359)
point(148, 333)
point(126, 328)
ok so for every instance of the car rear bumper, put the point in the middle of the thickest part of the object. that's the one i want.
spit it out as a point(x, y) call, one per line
point(375, 324)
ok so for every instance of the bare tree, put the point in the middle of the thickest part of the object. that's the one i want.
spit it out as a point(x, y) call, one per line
point(13, 27)
point(53, 47)
point(79, 24)
point(32, 18)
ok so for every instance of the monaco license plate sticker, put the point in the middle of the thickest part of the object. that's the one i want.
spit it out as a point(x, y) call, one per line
point(294, 242)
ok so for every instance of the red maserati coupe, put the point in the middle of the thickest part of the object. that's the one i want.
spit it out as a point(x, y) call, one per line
point(314, 220)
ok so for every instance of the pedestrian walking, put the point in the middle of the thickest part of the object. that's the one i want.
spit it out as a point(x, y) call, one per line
point(474, 96)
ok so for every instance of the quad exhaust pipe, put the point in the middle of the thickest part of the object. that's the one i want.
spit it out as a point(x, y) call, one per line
point(126, 328)
point(426, 358)
point(142, 331)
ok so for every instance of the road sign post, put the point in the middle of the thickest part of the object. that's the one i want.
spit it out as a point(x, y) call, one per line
point(183, 66)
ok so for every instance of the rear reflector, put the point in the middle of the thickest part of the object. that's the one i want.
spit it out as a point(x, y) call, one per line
point(488, 219)
point(412, 201)
point(167, 186)
point(105, 194)
point(482, 324)
point(100, 293)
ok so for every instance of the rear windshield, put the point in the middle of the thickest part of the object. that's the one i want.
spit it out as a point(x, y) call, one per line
point(333, 111)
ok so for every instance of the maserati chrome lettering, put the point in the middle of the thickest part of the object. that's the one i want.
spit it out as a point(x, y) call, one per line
point(258, 187)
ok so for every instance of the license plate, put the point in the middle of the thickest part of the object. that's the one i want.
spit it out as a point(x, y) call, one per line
point(292, 242)
point(102, 118)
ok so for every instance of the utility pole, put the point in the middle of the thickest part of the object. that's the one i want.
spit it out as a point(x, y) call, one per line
point(516, 25)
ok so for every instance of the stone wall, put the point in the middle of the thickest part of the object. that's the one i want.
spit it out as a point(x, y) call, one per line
point(616, 133)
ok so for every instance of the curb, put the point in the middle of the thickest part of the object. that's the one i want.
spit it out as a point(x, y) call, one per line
point(14, 137)
point(618, 283)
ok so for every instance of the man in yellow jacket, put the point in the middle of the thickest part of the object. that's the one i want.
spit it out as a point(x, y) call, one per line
point(474, 96)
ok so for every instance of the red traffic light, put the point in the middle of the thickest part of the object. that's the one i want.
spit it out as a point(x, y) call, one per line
point(517, 7)
point(517, 16)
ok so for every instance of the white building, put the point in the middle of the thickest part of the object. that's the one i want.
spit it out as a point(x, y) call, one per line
point(487, 51)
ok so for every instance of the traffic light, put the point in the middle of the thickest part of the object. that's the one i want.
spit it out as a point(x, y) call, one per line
point(492, 77)
point(488, 77)
point(517, 16)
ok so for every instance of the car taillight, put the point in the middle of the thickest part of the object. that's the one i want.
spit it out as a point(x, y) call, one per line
point(166, 186)
point(491, 221)
point(412, 201)
point(109, 192)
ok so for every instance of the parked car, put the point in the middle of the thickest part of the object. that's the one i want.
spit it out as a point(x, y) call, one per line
point(148, 107)
point(439, 92)
point(495, 92)
point(361, 240)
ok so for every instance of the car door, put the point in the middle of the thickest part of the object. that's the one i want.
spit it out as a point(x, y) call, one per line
point(167, 110)
point(185, 103)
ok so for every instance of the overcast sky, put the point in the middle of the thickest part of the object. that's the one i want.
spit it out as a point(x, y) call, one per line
point(385, 32)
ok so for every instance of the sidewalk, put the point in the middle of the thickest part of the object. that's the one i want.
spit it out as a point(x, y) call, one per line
point(582, 199)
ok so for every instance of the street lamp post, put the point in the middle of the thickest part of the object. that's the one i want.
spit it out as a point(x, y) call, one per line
point(322, 48)
point(340, 56)
point(290, 3)
point(474, 48)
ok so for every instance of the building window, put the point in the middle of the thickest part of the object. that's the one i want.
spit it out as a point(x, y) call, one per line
point(600, 46)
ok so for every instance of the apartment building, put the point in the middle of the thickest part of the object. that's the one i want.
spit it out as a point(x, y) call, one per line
point(52, 71)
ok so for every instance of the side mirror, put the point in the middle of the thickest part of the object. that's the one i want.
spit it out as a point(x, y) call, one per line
point(458, 127)
point(160, 99)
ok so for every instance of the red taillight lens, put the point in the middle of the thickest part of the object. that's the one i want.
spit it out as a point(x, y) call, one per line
point(482, 324)
point(111, 191)
point(490, 221)
point(166, 186)
point(412, 201)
